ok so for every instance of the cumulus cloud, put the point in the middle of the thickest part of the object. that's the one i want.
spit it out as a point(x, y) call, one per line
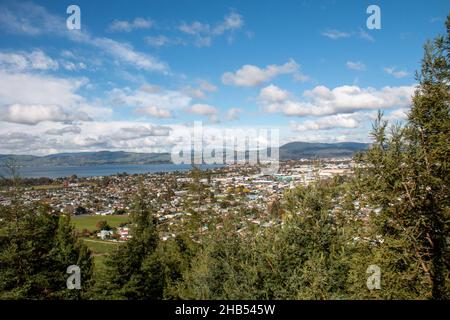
point(398, 114)
point(28, 18)
point(128, 26)
point(151, 100)
point(46, 98)
point(204, 33)
point(272, 93)
point(19, 142)
point(64, 130)
point(202, 109)
point(154, 112)
point(349, 121)
point(356, 65)
point(141, 131)
point(163, 41)
point(344, 99)
point(206, 86)
point(250, 75)
point(205, 110)
point(44, 138)
point(200, 91)
point(40, 89)
point(33, 114)
point(233, 113)
point(21, 61)
point(396, 73)
point(31, 19)
point(72, 66)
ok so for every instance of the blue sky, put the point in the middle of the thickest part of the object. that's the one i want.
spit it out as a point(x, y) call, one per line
point(138, 70)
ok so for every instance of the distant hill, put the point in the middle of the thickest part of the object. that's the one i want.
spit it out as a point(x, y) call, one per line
point(308, 150)
point(88, 158)
point(289, 151)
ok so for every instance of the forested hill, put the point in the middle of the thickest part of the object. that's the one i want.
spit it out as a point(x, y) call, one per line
point(289, 151)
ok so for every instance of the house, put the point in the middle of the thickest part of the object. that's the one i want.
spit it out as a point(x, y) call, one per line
point(124, 233)
point(105, 234)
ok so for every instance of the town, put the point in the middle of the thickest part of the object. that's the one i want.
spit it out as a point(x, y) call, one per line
point(199, 199)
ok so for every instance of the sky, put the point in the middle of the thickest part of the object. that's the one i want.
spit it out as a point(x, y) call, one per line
point(137, 71)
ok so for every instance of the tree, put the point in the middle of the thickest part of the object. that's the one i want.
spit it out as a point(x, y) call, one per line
point(406, 175)
point(135, 270)
point(36, 247)
point(103, 225)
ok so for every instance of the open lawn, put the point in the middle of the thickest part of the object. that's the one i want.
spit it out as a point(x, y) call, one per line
point(89, 222)
point(100, 250)
point(99, 247)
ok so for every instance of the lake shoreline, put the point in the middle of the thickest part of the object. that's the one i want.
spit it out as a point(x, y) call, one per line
point(54, 172)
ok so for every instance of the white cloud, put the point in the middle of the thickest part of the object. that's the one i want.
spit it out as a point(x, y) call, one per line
point(40, 89)
point(205, 110)
point(30, 19)
point(397, 74)
point(250, 75)
point(64, 130)
point(356, 65)
point(72, 66)
point(201, 91)
point(155, 112)
point(206, 86)
point(46, 98)
point(33, 114)
point(233, 113)
point(398, 114)
point(128, 26)
point(21, 61)
point(126, 53)
point(202, 109)
point(204, 33)
point(349, 121)
point(151, 100)
point(344, 99)
point(195, 93)
point(335, 34)
point(194, 28)
point(142, 131)
point(163, 41)
point(232, 21)
point(272, 93)
point(365, 35)
point(51, 137)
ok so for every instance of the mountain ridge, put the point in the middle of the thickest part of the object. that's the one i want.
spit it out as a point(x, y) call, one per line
point(289, 151)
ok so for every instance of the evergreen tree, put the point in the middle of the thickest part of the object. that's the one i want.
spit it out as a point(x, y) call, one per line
point(406, 175)
point(135, 270)
point(36, 247)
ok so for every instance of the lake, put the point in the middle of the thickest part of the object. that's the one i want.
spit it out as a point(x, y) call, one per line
point(101, 170)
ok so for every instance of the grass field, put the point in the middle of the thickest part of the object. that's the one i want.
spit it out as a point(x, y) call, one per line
point(89, 222)
point(100, 250)
point(101, 247)
point(99, 264)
